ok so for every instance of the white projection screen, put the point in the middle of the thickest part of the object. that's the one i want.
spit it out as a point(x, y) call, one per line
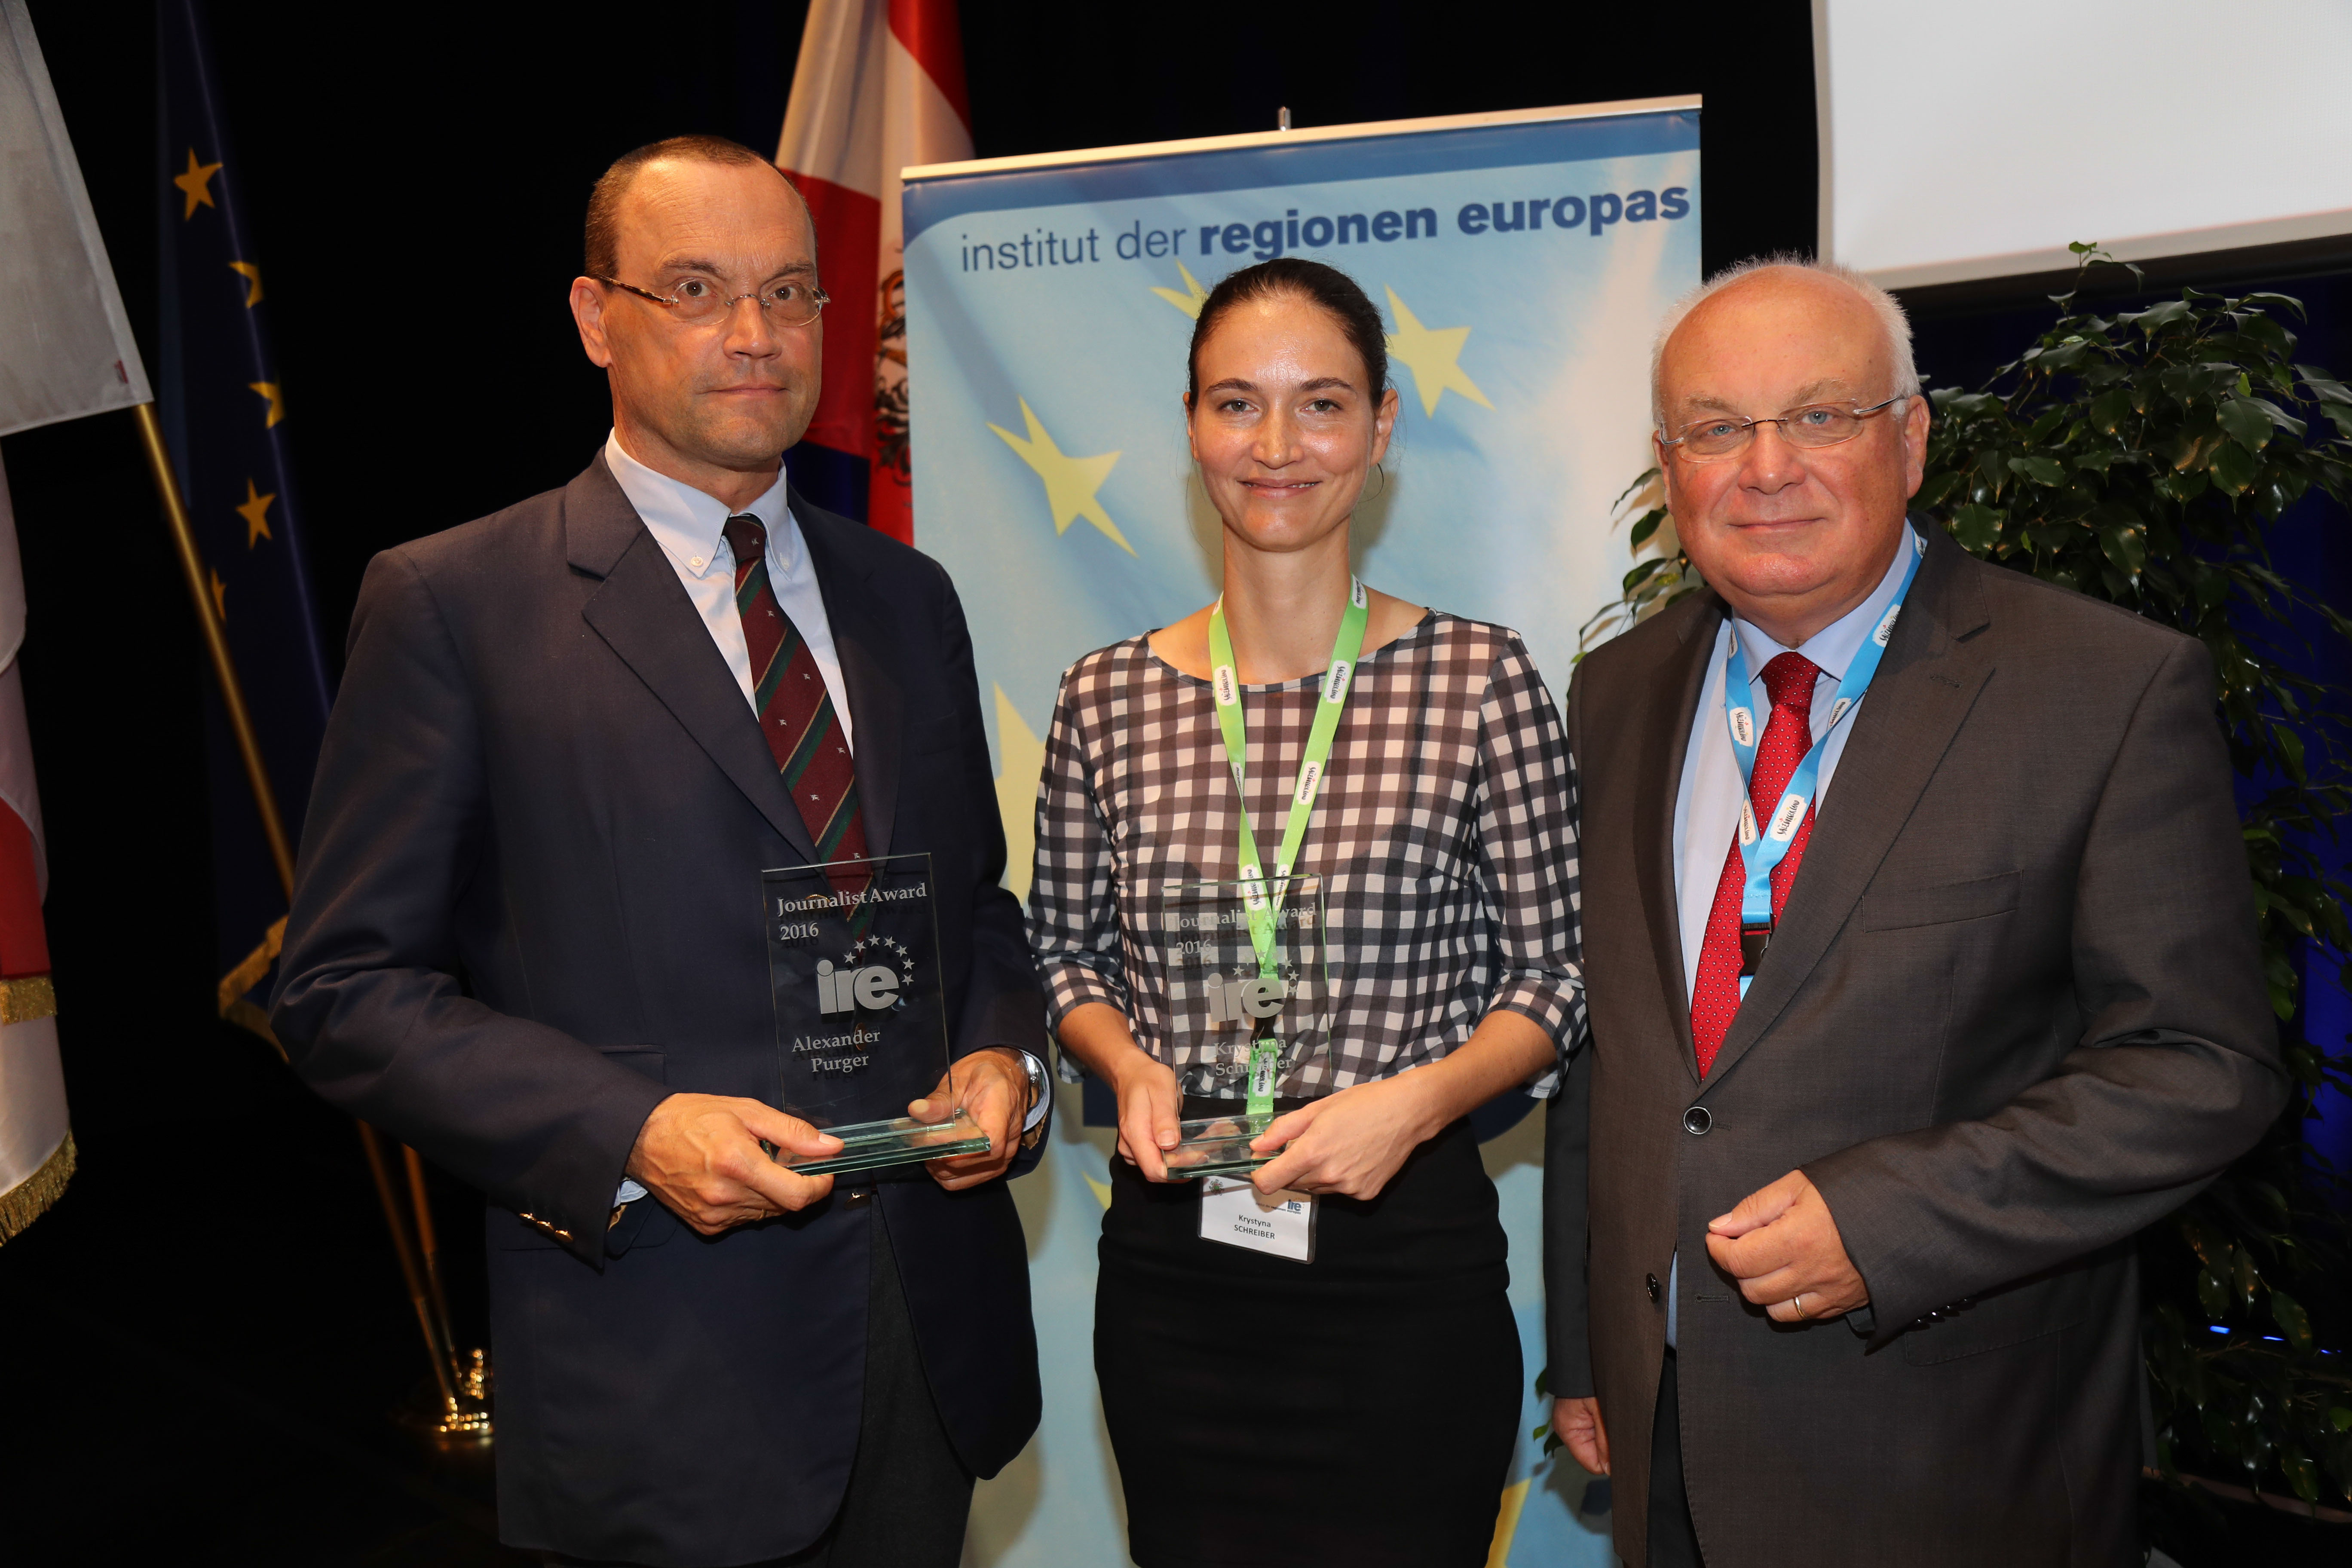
point(1973, 141)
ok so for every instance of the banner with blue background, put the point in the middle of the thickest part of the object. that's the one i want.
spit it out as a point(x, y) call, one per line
point(1523, 261)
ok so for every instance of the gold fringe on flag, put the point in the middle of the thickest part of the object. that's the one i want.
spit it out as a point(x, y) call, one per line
point(25, 1202)
point(27, 997)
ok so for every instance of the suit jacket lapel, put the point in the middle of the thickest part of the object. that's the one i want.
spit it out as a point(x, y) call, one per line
point(862, 641)
point(643, 614)
point(1662, 744)
point(1924, 689)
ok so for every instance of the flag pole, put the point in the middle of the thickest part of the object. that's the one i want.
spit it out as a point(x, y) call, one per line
point(192, 566)
point(456, 1416)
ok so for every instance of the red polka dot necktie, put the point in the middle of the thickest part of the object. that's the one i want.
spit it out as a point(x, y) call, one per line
point(795, 709)
point(1788, 736)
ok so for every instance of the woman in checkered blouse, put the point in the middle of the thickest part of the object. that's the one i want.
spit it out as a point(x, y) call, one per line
point(1360, 1407)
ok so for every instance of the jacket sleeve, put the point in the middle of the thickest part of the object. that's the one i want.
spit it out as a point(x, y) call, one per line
point(1002, 1004)
point(369, 1005)
point(1566, 1188)
point(2175, 1072)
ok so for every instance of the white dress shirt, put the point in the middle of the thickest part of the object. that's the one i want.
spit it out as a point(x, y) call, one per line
point(1706, 802)
point(690, 527)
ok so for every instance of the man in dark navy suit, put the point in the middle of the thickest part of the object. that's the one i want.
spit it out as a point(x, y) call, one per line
point(570, 738)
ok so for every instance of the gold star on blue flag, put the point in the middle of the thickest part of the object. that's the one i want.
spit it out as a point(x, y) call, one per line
point(223, 405)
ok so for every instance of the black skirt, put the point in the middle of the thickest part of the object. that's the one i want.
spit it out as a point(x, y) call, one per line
point(1362, 1408)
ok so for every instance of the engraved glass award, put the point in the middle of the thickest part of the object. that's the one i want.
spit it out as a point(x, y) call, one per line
point(1247, 1009)
point(861, 1022)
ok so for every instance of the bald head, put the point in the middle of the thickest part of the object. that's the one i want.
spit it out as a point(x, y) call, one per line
point(1791, 537)
point(601, 244)
point(1799, 274)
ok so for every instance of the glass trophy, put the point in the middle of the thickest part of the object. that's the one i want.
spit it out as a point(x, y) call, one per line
point(1223, 998)
point(861, 1022)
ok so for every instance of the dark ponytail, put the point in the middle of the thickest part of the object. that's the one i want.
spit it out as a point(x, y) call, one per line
point(1326, 286)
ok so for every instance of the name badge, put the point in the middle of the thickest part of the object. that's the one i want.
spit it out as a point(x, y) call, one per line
point(1237, 1213)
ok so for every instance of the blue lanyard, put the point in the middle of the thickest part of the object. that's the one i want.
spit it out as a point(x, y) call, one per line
point(1760, 852)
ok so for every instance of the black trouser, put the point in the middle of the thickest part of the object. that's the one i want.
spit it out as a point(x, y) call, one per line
point(1673, 1544)
point(909, 1495)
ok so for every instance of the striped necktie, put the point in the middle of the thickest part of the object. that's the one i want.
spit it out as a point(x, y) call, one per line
point(795, 709)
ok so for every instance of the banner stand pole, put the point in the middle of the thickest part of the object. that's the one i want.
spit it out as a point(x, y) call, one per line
point(457, 1417)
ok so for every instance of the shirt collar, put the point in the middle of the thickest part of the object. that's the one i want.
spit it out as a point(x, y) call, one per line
point(1834, 646)
point(689, 525)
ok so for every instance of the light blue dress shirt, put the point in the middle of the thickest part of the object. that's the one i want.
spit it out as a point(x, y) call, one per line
point(1706, 801)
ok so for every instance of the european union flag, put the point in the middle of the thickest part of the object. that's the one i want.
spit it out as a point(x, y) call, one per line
point(224, 414)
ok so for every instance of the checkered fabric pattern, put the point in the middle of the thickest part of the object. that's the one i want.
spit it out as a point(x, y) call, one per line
point(1445, 836)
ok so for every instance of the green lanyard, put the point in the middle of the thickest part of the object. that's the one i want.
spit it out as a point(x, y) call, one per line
point(1265, 912)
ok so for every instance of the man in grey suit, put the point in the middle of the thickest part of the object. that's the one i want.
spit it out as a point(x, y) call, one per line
point(1883, 1077)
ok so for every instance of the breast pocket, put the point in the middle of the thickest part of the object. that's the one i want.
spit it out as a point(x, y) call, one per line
point(1943, 903)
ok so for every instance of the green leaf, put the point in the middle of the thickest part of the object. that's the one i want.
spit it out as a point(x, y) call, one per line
point(2292, 1319)
point(1641, 572)
point(2041, 470)
point(2301, 1473)
point(2248, 425)
point(2282, 418)
point(2290, 745)
point(2324, 387)
point(1936, 489)
point(2268, 333)
point(2110, 409)
point(2233, 468)
point(1647, 475)
point(2211, 1293)
point(2126, 547)
point(1647, 526)
point(2339, 1417)
point(2157, 317)
point(1976, 528)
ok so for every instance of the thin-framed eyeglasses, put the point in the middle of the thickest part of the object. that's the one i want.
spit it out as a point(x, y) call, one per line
point(788, 303)
point(1813, 425)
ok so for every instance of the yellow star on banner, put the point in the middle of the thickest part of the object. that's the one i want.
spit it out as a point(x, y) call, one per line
point(252, 275)
point(1432, 355)
point(270, 389)
point(1193, 296)
point(1070, 482)
point(1507, 1523)
point(197, 184)
point(1023, 756)
point(255, 513)
point(220, 596)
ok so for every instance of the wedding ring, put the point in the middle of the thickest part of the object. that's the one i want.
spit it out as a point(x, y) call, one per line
point(1797, 1305)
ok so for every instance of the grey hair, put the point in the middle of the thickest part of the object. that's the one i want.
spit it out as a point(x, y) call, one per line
point(1884, 306)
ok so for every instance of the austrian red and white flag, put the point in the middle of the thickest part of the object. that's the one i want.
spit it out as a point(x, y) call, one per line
point(879, 87)
point(66, 351)
point(37, 1151)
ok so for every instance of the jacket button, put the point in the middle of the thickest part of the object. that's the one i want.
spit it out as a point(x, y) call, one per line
point(1698, 1120)
point(1650, 1283)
